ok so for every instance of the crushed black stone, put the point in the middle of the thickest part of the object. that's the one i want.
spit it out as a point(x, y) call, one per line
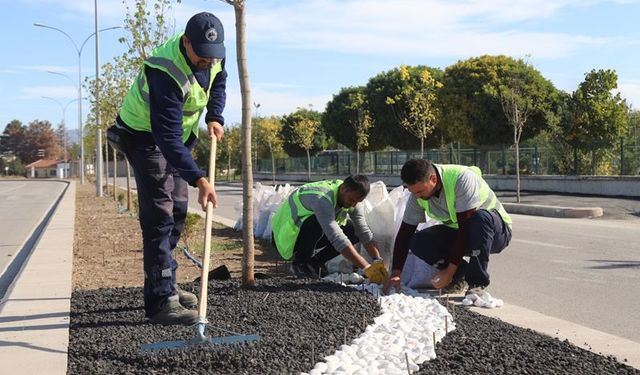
point(294, 317)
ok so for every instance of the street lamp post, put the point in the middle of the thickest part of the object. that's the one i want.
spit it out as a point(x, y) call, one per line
point(64, 128)
point(79, 52)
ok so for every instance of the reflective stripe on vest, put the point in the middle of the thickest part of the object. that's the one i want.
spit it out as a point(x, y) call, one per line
point(291, 214)
point(169, 59)
point(449, 174)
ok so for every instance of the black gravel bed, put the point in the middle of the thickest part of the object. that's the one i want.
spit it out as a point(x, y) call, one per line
point(483, 345)
point(299, 322)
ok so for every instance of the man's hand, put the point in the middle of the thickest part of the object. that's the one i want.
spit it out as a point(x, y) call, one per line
point(376, 273)
point(206, 193)
point(394, 281)
point(444, 277)
point(215, 128)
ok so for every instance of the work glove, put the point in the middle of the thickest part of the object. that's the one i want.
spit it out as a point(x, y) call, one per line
point(376, 272)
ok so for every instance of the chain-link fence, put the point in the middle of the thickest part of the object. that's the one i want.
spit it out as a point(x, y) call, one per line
point(501, 160)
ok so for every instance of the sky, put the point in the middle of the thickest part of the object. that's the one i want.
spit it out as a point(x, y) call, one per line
point(302, 52)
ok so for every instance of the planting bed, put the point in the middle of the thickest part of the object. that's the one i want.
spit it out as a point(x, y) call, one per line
point(299, 322)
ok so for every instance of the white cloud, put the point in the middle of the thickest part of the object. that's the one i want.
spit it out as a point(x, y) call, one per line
point(415, 27)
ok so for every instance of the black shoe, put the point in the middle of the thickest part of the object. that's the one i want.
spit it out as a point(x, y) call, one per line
point(187, 299)
point(318, 268)
point(302, 270)
point(455, 287)
point(172, 312)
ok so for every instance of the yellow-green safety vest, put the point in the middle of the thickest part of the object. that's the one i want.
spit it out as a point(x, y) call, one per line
point(169, 59)
point(288, 219)
point(449, 174)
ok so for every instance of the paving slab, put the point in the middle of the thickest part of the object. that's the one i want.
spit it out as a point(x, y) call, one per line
point(34, 316)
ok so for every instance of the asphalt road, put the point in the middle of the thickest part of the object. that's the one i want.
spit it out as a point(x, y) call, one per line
point(23, 205)
point(586, 271)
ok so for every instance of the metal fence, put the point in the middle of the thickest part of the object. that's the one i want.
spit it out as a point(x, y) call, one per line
point(501, 160)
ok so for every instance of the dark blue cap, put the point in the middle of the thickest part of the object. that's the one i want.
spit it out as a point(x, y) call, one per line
point(205, 32)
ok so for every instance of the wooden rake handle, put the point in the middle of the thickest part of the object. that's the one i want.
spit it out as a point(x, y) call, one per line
point(204, 279)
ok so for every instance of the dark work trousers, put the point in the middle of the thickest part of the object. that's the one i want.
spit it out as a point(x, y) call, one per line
point(162, 206)
point(487, 235)
point(312, 242)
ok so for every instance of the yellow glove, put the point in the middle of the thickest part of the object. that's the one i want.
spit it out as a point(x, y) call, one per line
point(376, 272)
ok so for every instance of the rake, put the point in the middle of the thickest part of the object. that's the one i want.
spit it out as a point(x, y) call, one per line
point(201, 338)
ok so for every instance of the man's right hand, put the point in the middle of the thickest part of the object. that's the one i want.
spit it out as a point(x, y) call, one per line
point(376, 273)
point(206, 193)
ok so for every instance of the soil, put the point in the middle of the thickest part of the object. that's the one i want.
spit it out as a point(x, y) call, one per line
point(108, 246)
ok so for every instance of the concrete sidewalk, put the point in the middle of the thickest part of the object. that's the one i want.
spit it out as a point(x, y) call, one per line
point(34, 316)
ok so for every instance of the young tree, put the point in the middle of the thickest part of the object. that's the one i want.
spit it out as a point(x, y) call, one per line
point(414, 106)
point(268, 132)
point(519, 97)
point(595, 118)
point(248, 278)
point(301, 131)
point(349, 120)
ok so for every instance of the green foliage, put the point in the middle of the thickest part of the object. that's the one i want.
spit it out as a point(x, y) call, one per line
point(301, 133)
point(267, 132)
point(147, 27)
point(594, 118)
point(192, 227)
point(472, 110)
point(414, 106)
point(228, 150)
point(398, 85)
point(349, 120)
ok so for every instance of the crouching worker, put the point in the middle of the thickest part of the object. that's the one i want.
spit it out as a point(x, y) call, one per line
point(474, 223)
point(319, 221)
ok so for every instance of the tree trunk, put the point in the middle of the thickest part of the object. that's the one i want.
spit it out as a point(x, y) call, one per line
point(228, 165)
point(273, 168)
point(247, 167)
point(106, 168)
point(308, 166)
point(421, 147)
point(128, 185)
point(516, 143)
point(115, 173)
point(358, 160)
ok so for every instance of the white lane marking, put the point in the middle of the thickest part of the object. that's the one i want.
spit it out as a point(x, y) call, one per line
point(12, 188)
point(541, 243)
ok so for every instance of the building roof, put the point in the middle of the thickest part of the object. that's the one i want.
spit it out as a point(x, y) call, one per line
point(43, 163)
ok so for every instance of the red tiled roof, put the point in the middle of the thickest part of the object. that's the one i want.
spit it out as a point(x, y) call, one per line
point(42, 163)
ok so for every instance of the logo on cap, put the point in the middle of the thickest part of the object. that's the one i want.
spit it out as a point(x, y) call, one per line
point(211, 34)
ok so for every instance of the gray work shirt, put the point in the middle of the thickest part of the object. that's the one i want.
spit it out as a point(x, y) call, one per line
point(325, 213)
point(467, 198)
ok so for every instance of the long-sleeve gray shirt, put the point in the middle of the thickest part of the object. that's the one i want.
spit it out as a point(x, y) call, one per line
point(325, 213)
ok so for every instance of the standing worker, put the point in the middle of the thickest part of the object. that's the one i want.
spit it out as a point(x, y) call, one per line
point(156, 128)
point(474, 223)
point(321, 220)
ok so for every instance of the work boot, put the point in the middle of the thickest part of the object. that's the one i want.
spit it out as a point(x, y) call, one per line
point(187, 299)
point(172, 312)
point(318, 268)
point(301, 270)
point(455, 287)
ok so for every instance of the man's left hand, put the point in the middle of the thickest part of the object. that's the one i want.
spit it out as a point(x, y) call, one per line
point(444, 277)
point(215, 128)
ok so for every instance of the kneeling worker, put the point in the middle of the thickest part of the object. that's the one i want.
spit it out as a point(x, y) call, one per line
point(474, 223)
point(319, 221)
